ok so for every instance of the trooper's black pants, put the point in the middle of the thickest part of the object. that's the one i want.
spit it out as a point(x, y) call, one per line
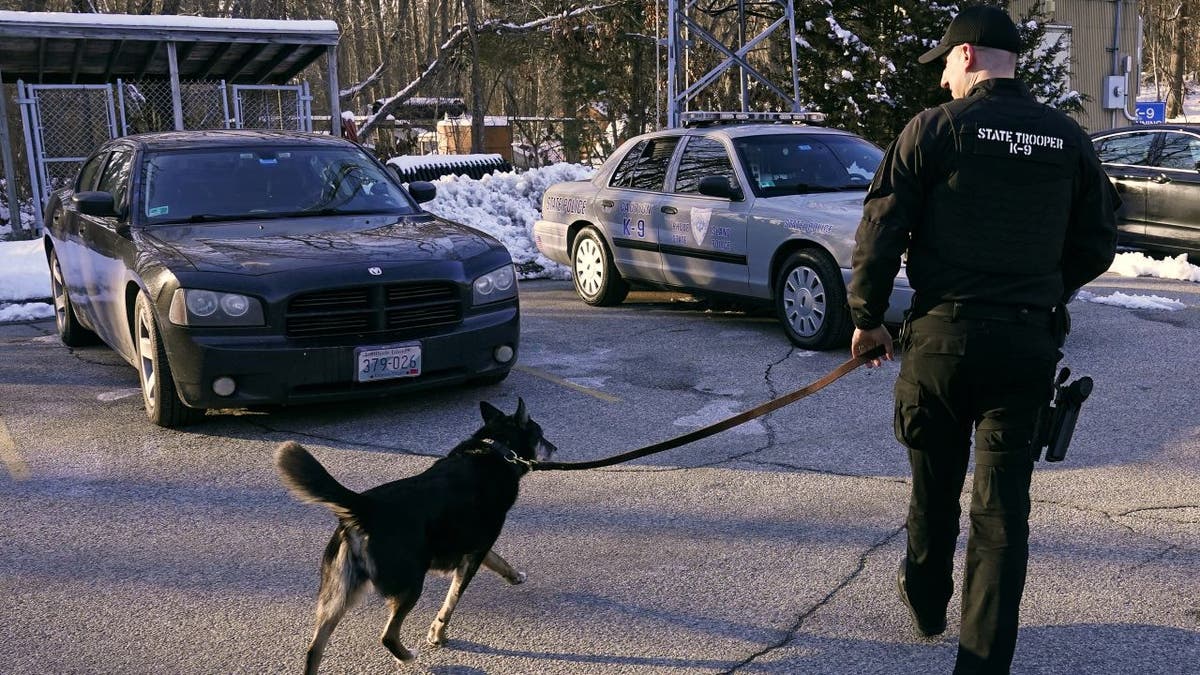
point(990, 376)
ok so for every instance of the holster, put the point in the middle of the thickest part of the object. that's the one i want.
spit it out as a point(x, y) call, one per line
point(905, 334)
point(1056, 420)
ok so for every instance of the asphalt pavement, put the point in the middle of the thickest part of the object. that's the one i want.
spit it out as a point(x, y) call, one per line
point(769, 548)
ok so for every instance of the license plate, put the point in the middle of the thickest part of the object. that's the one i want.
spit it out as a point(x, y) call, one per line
point(386, 363)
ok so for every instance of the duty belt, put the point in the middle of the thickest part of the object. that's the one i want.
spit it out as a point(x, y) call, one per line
point(987, 311)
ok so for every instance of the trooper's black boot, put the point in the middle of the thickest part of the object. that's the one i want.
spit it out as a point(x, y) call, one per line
point(926, 626)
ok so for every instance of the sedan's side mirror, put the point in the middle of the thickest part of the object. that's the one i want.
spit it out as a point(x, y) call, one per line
point(99, 204)
point(422, 191)
point(719, 186)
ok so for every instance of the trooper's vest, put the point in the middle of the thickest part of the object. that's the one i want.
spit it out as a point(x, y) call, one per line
point(1005, 203)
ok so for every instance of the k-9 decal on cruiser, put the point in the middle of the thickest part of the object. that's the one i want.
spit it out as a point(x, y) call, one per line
point(631, 228)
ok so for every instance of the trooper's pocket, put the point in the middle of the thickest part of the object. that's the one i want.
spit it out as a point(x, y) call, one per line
point(908, 411)
point(922, 420)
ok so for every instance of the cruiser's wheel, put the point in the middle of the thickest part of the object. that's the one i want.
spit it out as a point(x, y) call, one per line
point(597, 280)
point(810, 301)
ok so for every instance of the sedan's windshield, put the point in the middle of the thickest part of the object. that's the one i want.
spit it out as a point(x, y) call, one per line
point(788, 164)
point(214, 184)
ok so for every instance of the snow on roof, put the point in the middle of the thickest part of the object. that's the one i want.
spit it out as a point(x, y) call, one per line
point(166, 21)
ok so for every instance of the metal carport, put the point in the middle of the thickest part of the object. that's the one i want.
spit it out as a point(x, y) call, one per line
point(53, 49)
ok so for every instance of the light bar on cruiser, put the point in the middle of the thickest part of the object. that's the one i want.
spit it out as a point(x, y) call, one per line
point(697, 118)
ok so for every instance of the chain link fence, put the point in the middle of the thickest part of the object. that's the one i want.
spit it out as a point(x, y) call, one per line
point(70, 124)
point(146, 105)
point(271, 108)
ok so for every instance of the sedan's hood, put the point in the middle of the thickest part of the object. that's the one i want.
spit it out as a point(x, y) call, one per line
point(267, 246)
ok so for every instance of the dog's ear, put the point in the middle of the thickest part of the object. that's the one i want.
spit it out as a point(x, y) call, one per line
point(489, 412)
point(522, 415)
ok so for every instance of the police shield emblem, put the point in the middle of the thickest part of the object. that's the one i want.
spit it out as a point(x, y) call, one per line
point(700, 218)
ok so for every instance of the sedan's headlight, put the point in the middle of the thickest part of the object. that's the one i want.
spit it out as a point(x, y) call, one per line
point(195, 307)
point(500, 284)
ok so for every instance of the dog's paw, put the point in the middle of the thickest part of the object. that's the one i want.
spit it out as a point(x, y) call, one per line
point(435, 638)
point(405, 655)
point(518, 578)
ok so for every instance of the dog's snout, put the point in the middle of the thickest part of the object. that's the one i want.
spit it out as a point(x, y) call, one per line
point(545, 449)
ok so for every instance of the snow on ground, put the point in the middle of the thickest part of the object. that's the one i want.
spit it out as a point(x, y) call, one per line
point(505, 205)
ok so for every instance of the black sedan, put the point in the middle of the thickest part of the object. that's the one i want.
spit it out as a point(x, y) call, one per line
point(1156, 169)
point(247, 268)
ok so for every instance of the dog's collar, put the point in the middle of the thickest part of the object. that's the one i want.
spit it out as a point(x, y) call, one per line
point(489, 445)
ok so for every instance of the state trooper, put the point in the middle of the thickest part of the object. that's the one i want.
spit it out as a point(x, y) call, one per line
point(1004, 211)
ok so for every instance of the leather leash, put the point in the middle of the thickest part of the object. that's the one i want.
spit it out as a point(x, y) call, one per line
point(727, 423)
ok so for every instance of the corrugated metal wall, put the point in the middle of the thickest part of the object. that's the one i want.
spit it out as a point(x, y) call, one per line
point(1092, 24)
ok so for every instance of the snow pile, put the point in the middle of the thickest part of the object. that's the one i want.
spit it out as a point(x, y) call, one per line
point(25, 211)
point(26, 311)
point(505, 205)
point(1142, 265)
point(1119, 299)
point(24, 274)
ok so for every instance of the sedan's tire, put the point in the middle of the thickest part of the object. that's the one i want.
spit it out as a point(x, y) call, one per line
point(72, 333)
point(597, 281)
point(810, 301)
point(163, 406)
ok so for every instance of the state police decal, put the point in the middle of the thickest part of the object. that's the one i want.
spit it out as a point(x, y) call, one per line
point(700, 218)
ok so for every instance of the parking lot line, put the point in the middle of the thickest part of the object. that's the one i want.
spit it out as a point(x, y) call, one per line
point(9, 456)
point(567, 383)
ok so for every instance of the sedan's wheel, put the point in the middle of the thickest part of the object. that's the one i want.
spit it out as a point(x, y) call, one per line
point(597, 280)
point(163, 406)
point(810, 301)
point(72, 333)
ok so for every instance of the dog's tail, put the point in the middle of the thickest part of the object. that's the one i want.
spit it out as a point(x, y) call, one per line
point(309, 481)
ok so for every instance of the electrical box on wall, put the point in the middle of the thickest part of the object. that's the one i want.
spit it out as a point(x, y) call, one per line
point(1115, 87)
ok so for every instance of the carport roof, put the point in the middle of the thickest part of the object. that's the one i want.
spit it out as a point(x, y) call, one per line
point(62, 48)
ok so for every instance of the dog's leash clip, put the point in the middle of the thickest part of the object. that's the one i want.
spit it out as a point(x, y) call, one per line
point(511, 456)
point(507, 453)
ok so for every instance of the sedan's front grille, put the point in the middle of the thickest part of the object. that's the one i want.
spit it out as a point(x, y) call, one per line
point(374, 309)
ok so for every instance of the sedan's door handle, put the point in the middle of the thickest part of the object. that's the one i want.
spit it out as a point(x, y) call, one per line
point(669, 209)
point(1161, 179)
point(607, 203)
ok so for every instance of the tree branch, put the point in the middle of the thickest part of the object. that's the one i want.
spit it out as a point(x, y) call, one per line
point(457, 35)
point(345, 95)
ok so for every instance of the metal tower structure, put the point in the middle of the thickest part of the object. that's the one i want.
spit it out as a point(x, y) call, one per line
point(682, 35)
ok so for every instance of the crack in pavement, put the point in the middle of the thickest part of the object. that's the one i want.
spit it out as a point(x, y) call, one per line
point(795, 628)
point(1113, 519)
point(1164, 508)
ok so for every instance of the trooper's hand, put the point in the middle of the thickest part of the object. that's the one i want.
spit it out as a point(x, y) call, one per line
point(866, 340)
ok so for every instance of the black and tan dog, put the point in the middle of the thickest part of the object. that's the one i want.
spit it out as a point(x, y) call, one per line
point(445, 519)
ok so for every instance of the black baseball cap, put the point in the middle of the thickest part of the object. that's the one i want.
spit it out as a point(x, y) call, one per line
point(981, 25)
